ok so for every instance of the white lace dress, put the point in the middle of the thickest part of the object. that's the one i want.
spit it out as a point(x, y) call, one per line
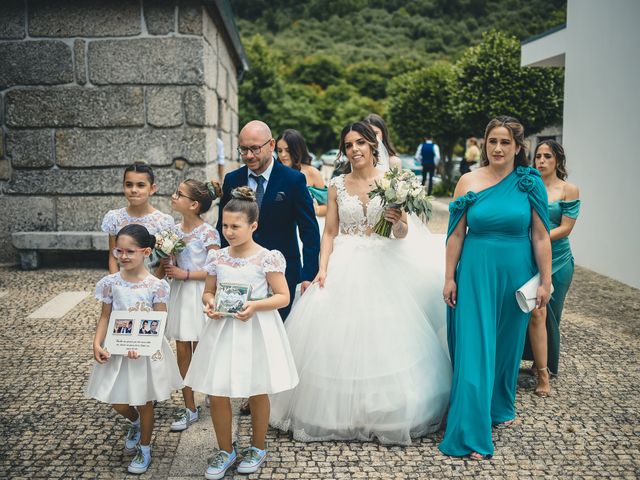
point(370, 347)
point(121, 379)
point(236, 358)
point(186, 319)
point(155, 221)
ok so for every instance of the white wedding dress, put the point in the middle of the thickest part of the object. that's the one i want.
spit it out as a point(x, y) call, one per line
point(370, 347)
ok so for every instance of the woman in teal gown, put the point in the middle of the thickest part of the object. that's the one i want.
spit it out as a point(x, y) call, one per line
point(543, 339)
point(504, 206)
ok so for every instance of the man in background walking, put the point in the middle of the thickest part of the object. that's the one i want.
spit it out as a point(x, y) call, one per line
point(428, 154)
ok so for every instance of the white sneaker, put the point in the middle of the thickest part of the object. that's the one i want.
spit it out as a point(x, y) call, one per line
point(219, 464)
point(184, 418)
point(140, 462)
point(132, 438)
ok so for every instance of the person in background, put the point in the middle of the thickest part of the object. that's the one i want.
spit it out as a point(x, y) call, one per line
point(471, 159)
point(428, 154)
point(543, 345)
point(388, 159)
point(220, 156)
point(293, 152)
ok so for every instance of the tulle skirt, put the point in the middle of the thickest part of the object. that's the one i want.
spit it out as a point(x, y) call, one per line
point(185, 319)
point(135, 382)
point(239, 359)
point(370, 346)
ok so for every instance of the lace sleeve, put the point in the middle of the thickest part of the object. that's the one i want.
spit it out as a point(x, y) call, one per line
point(335, 182)
point(109, 223)
point(103, 291)
point(274, 261)
point(165, 222)
point(210, 263)
point(161, 292)
point(210, 236)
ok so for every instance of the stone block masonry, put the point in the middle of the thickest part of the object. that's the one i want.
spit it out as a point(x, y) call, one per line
point(87, 88)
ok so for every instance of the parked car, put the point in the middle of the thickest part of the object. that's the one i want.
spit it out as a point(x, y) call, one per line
point(315, 162)
point(329, 157)
point(409, 163)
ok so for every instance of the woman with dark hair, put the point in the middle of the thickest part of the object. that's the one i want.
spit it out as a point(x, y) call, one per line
point(388, 157)
point(368, 349)
point(292, 152)
point(498, 238)
point(543, 346)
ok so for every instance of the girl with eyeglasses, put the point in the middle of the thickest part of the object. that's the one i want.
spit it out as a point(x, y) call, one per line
point(139, 186)
point(131, 383)
point(186, 319)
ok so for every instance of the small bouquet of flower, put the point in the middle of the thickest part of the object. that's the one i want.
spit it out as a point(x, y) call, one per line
point(168, 243)
point(400, 189)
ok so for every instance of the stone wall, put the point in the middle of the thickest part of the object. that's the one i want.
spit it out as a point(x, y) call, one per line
point(87, 88)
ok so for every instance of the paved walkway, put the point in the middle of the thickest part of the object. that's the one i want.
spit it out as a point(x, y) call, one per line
point(589, 428)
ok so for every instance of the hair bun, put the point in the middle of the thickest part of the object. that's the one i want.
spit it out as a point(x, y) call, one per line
point(215, 191)
point(243, 193)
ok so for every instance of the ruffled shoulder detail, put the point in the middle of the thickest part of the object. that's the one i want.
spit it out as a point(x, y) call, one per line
point(457, 209)
point(209, 236)
point(570, 208)
point(104, 288)
point(110, 222)
point(274, 261)
point(530, 182)
point(160, 291)
point(211, 262)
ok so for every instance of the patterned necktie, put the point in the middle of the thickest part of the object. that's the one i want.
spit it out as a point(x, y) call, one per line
point(259, 189)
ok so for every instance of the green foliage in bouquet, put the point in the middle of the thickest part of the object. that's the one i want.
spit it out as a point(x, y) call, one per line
point(400, 189)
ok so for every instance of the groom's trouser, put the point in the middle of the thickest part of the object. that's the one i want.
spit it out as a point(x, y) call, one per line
point(428, 168)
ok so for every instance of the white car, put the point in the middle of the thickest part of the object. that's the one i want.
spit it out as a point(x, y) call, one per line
point(329, 157)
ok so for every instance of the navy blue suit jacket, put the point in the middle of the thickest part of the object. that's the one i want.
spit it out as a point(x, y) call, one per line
point(285, 205)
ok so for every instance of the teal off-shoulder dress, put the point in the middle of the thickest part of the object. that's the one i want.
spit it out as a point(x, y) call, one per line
point(486, 330)
point(561, 276)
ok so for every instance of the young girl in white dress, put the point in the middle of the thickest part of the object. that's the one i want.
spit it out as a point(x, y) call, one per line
point(131, 383)
point(186, 319)
point(139, 185)
point(248, 354)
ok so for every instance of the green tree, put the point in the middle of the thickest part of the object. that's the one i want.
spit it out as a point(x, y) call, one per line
point(491, 82)
point(421, 102)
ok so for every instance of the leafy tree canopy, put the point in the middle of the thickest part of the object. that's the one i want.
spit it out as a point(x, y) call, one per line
point(316, 64)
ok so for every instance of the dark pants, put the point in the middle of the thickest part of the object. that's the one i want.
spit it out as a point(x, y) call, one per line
point(428, 168)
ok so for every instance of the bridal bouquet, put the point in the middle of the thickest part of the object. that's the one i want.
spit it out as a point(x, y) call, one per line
point(400, 189)
point(168, 243)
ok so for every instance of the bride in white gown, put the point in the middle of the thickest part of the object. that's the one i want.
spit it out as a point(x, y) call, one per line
point(369, 336)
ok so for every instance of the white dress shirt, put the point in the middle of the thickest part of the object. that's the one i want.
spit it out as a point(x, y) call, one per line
point(251, 182)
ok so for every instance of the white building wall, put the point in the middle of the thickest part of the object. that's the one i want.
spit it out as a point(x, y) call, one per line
point(601, 133)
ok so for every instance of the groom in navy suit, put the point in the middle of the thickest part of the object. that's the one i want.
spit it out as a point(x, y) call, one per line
point(284, 203)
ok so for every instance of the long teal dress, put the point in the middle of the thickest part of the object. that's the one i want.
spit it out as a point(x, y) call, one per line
point(486, 329)
point(561, 276)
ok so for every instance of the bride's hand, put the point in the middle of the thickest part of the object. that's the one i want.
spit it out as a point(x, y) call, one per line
point(393, 214)
point(320, 278)
point(450, 293)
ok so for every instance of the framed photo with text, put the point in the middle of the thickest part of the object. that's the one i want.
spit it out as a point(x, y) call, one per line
point(141, 331)
point(231, 297)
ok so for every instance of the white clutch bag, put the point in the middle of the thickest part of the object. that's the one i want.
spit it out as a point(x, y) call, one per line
point(526, 294)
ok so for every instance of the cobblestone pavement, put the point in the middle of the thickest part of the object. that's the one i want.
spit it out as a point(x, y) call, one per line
point(589, 428)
